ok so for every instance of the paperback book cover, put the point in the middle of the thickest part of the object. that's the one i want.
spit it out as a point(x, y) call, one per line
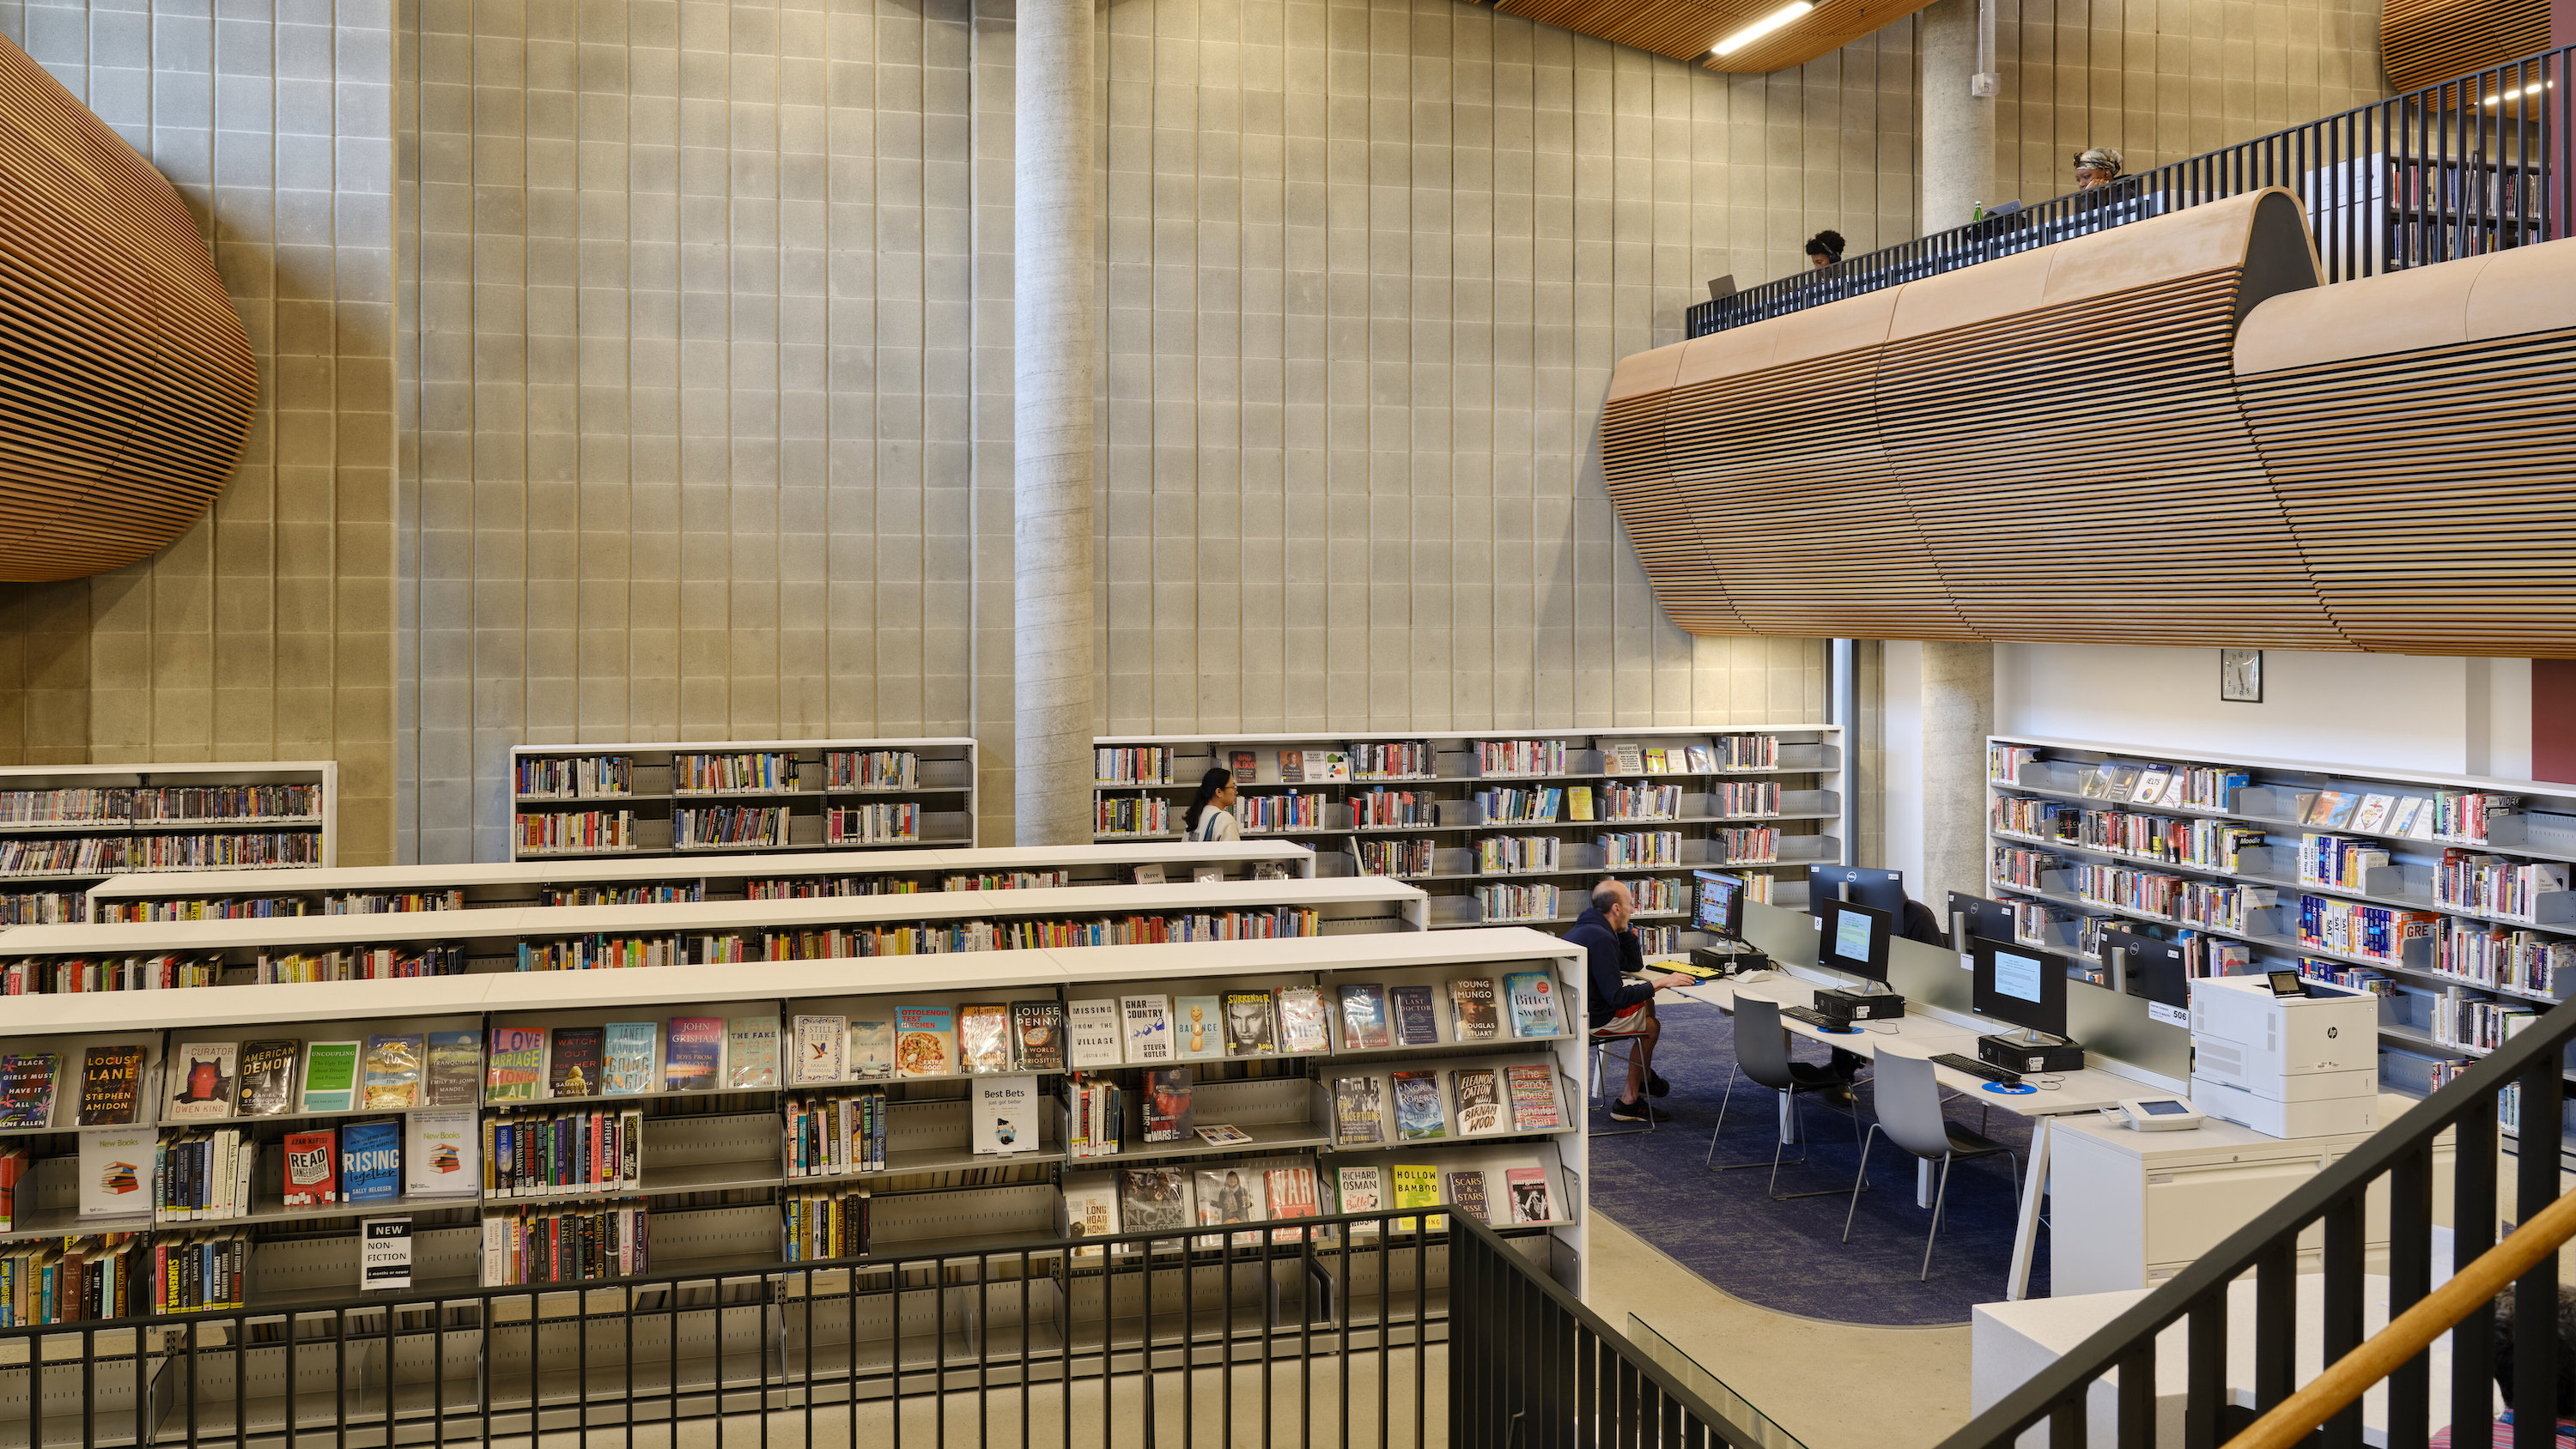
point(1359, 1190)
point(1153, 1198)
point(1416, 1024)
point(1467, 1194)
point(455, 1069)
point(27, 1090)
point(205, 1075)
point(111, 1084)
point(1417, 1106)
point(2372, 816)
point(1532, 1089)
point(1627, 759)
point(693, 1058)
point(371, 1161)
point(1223, 1134)
point(1528, 1187)
point(312, 1171)
point(1246, 770)
point(626, 1057)
point(1037, 1030)
point(1091, 1207)
point(984, 1036)
point(518, 1059)
point(1359, 1111)
point(1169, 1116)
point(820, 1044)
point(573, 1061)
point(1006, 1115)
point(394, 1068)
point(1480, 1100)
point(1148, 1024)
point(1292, 1195)
point(871, 1049)
point(1412, 1185)
point(1095, 1036)
point(1229, 1195)
point(751, 1053)
point(925, 1041)
point(116, 1172)
point(1198, 1028)
point(1533, 998)
point(268, 1078)
point(1248, 1030)
point(1471, 1008)
point(1364, 1025)
point(1578, 802)
point(2150, 788)
point(440, 1157)
point(1302, 1027)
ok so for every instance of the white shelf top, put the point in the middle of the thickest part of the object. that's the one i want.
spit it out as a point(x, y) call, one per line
point(1363, 737)
point(578, 870)
point(735, 747)
point(221, 772)
point(2565, 794)
point(1381, 951)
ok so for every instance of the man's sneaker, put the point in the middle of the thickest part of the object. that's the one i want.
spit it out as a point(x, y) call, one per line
point(1656, 1086)
point(1638, 1112)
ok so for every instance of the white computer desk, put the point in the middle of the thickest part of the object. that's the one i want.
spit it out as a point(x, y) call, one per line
point(1931, 1033)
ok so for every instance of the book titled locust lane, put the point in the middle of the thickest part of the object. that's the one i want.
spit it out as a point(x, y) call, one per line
point(111, 1084)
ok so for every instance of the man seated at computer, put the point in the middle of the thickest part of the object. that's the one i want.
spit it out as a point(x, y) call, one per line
point(1620, 1006)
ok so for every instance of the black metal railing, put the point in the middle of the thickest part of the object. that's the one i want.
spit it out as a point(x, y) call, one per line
point(2522, 1080)
point(2460, 169)
point(1347, 1330)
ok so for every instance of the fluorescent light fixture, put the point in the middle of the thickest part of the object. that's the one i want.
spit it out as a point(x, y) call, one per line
point(1763, 26)
point(2529, 90)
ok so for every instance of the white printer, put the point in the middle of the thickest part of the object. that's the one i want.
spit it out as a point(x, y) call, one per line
point(2300, 1065)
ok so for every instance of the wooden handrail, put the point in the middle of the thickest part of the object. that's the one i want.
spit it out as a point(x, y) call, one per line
point(2411, 1332)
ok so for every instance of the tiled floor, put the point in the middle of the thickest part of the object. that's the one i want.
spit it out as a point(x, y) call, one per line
point(1801, 1372)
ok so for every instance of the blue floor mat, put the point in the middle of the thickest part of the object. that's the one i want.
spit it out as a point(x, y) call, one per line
point(1789, 1256)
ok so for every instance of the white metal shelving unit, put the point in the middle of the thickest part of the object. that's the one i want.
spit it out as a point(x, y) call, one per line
point(47, 864)
point(631, 801)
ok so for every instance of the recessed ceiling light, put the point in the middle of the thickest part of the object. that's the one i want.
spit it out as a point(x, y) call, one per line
point(2510, 95)
point(1763, 26)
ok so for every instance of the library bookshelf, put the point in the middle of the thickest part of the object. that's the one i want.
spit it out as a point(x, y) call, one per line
point(735, 796)
point(63, 829)
point(2445, 895)
point(360, 890)
point(1486, 821)
point(718, 1178)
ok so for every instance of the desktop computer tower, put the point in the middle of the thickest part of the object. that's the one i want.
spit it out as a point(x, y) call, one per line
point(2015, 1056)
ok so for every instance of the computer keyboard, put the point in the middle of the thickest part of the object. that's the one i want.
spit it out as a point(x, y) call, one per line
point(1975, 1068)
point(1814, 1018)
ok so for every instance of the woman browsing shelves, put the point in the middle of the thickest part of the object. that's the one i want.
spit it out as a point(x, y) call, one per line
point(1211, 815)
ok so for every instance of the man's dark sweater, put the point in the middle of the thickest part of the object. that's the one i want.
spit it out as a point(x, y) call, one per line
point(1609, 954)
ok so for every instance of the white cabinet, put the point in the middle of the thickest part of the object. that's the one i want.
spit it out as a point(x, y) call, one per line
point(2129, 1209)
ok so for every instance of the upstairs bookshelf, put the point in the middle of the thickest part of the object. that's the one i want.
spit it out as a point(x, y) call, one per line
point(2398, 210)
point(734, 796)
point(364, 890)
point(63, 829)
point(2446, 895)
point(230, 1136)
point(1511, 826)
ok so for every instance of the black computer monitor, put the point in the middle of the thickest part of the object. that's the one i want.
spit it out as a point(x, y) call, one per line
point(1717, 906)
point(1990, 919)
point(2157, 968)
point(2019, 985)
point(1880, 890)
point(1854, 939)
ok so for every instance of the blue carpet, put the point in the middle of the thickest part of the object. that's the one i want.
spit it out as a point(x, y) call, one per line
point(1789, 1256)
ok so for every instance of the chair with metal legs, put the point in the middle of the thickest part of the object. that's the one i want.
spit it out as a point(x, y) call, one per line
point(1762, 1053)
point(1909, 1111)
point(1604, 1041)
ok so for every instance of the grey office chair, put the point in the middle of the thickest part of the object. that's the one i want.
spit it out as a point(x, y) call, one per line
point(1762, 1053)
point(1909, 1111)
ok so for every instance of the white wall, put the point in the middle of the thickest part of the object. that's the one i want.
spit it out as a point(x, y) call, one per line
point(1901, 759)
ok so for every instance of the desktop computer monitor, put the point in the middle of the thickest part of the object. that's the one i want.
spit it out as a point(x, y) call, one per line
point(1880, 890)
point(2157, 971)
point(1717, 906)
point(1990, 919)
point(1854, 939)
point(2019, 986)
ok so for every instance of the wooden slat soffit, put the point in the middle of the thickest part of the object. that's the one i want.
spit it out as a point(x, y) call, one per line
point(126, 381)
point(1687, 29)
point(2426, 42)
point(2165, 433)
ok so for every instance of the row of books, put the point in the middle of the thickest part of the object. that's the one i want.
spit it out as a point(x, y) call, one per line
point(1394, 760)
point(31, 975)
point(1131, 765)
point(2016, 865)
point(261, 908)
point(359, 963)
point(2380, 932)
point(363, 1161)
point(1514, 854)
point(2127, 888)
point(564, 1245)
point(1258, 814)
point(67, 1280)
point(89, 805)
point(602, 951)
point(42, 908)
point(529, 1153)
point(196, 1175)
point(1749, 845)
point(2495, 884)
point(572, 776)
point(2473, 1023)
point(1095, 1114)
point(2208, 844)
point(116, 854)
point(1152, 1199)
point(2490, 956)
point(1383, 809)
point(2176, 787)
point(884, 822)
point(1664, 802)
point(1523, 807)
point(2498, 190)
point(1002, 880)
point(1132, 815)
point(1641, 847)
point(871, 769)
point(1519, 1097)
point(826, 1224)
point(1727, 797)
point(824, 887)
point(2461, 815)
point(705, 826)
point(1395, 857)
point(1659, 895)
point(2341, 861)
point(2351, 978)
point(1010, 935)
point(709, 771)
point(198, 1271)
point(837, 1135)
point(1499, 903)
point(2224, 907)
point(1520, 757)
point(541, 831)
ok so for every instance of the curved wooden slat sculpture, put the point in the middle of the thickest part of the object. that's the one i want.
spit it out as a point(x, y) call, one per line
point(2426, 42)
point(2164, 433)
point(126, 382)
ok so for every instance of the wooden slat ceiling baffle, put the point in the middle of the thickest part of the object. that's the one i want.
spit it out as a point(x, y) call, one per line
point(126, 382)
point(1686, 29)
point(2426, 42)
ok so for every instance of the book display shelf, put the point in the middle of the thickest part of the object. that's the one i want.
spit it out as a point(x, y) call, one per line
point(375, 948)
point(1509, 827)
point(64, 829)
point(221, 1148)
point(2445, 895)
point(2404, 210)
point(363, 890)
point(726, 797)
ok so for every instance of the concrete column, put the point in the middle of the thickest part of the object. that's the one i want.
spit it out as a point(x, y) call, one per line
point(1958, 138)
point(1958, 714)
point(1051, 424)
